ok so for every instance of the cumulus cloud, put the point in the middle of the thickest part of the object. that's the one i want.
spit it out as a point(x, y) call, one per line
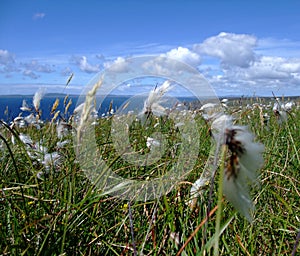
point(184, 55)
point(231, 49)
point(264, 75)
point(118, 65)
point(248, 64)
point(84, 65)
point(267, 68)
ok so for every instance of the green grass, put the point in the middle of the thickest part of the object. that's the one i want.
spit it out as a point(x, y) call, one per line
point(64, 214)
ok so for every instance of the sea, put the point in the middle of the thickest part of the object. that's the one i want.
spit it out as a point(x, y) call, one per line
point(10, 105)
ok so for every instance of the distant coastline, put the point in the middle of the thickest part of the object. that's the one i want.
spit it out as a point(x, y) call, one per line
point(59, 95)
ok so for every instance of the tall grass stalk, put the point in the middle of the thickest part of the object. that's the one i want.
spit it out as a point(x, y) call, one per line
point(220, 199)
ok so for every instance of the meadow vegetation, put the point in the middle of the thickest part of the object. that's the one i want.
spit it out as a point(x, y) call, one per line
point(49, 207)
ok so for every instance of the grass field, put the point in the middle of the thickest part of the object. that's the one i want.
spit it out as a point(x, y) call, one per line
point(49, 207)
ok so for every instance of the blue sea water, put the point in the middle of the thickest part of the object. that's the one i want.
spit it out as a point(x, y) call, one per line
point(10, 105)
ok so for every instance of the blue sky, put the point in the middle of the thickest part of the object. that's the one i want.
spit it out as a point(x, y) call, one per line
point(241, 47)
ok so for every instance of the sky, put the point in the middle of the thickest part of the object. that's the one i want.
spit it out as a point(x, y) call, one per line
point(241, 47)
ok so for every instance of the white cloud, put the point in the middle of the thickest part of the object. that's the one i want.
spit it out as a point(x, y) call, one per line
point(7, 63)
point(249, 64)
point(30, 74)
point(184, 55)
point(6, 57)
point(34, 65)
point(163, 66)
point(39, 15)
point(232, 63)
point(84, 65)
point(232, 49)
point(267, 68)
point(263, 76)
point(118, 65)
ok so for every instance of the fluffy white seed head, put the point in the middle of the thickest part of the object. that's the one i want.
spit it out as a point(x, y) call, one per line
point(38, 97)
point(154, 100)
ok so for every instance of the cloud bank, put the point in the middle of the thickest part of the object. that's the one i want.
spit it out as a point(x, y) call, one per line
point(232, 63)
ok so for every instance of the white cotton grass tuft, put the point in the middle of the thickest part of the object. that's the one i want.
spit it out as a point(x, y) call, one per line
point(51, 160)
point(62, 129)
point(151, 142)
point(25, 106)
point(153, 103)
point(281, 110)
point(242, 168)
point(211, 111)
point(245, 159)
point(37, 98)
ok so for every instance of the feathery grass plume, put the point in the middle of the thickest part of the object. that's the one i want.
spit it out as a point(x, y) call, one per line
point(86, 107)
point(65, 100)
point(68, 106)
point(37, 98)
point(153, 103)
point(55, 116)
point(69, 79)
point(54, 106)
